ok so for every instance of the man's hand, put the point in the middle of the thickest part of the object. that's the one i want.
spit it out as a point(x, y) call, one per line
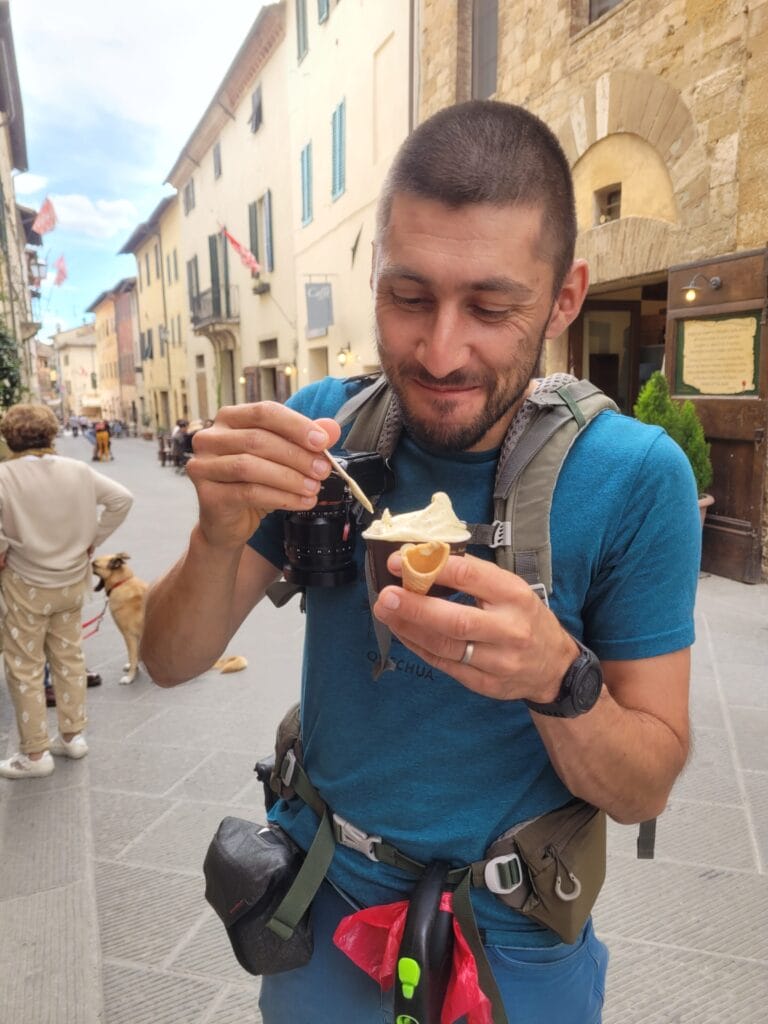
point(519, 649)
point(254, 459)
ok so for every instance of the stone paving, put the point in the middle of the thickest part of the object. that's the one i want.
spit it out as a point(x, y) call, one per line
point(101, 895)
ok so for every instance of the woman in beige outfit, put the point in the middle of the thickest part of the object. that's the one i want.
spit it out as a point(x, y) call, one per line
point(53, 512)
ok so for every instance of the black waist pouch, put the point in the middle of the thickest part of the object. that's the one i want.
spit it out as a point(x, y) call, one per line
point(248, 869)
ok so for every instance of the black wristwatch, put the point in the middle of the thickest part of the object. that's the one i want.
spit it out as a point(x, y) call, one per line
point(579, 689)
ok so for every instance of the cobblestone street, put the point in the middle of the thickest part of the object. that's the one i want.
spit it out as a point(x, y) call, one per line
point(101, 890)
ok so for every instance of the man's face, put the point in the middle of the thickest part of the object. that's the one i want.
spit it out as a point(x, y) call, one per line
point(463, 301)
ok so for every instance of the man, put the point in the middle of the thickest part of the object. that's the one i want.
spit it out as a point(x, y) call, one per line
point(473, 267)
point(53, 512)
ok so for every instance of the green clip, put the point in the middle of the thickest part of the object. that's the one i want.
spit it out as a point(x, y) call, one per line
point(408, 973)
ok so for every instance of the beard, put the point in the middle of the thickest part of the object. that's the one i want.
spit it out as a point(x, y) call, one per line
point(439, 433)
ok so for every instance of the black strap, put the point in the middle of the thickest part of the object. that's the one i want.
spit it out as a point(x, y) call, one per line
point(646, 839)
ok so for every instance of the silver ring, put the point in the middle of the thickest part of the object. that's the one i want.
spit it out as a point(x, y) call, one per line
point(469, 650)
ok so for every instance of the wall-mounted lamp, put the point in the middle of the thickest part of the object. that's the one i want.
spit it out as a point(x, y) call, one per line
point(289, 370)
point(691, 290)
point(343, 354)
point(241, 379)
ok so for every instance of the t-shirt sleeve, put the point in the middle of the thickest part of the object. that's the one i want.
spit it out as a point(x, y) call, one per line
point(641, 602)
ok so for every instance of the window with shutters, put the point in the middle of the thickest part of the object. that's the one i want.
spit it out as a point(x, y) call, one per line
point(256, 111)
point(188, 196)
point(338, 156)
point(217, 160)
point(597, 8)
point(306, 184)
point(323, 9)
point(260, 234)
point(193, 284)
point(302, 37)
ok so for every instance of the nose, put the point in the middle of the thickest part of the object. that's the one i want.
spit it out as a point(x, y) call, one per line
point(443, 347)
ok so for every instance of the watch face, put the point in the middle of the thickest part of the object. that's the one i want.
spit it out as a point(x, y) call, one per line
point(585, 692)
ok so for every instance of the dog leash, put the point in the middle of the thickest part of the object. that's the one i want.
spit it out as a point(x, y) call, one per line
point(97, 619)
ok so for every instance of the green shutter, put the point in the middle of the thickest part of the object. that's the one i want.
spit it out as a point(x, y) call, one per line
point(253, 228)
point(269, 252)
point(302, 43)
point(306, 184)
point(213, 252)
point(338, 132)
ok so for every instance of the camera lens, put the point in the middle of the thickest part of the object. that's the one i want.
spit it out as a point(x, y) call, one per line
point(320, 544)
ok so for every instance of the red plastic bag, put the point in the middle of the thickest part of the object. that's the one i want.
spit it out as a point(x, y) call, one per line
point(371, 939)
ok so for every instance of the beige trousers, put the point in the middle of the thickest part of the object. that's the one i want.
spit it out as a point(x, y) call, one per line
point(43, 623)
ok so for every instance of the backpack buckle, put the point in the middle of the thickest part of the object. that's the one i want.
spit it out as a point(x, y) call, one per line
point(541, 591)
point(288, 768)
point(350, 835)
point(503, 874)
point(501, 534)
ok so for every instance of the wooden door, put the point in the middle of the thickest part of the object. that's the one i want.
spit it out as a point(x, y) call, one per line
point(717, 355)
point(603, 346)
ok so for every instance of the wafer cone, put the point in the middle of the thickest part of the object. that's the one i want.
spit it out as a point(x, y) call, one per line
point(422, 564)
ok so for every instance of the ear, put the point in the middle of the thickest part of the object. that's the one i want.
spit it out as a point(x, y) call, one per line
point(122, 554)
point(569, 300)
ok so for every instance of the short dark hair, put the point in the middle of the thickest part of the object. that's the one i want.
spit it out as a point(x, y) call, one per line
point(29, 426)
point(484, 151)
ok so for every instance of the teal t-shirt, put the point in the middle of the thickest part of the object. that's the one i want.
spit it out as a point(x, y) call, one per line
point(415, 757)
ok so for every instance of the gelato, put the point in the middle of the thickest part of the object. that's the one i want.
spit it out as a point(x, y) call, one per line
point(437, 521)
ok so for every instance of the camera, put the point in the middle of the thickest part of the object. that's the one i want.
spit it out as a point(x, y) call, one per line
point(320, 545)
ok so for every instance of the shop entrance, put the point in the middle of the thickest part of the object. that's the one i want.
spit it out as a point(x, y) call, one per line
point(618, 340)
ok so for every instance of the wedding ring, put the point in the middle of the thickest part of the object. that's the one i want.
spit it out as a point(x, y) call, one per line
point(469, 650)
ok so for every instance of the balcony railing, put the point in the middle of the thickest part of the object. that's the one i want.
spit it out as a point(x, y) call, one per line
point(214, 305)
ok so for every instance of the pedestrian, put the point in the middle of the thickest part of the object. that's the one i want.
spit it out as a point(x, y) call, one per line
point(177, 442)
point(45, 562)
point(103, 448)
point(497, 707)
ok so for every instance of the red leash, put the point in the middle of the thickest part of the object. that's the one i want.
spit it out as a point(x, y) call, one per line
point(97, 619)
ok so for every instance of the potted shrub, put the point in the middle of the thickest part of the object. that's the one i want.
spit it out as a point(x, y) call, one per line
point(681, 421)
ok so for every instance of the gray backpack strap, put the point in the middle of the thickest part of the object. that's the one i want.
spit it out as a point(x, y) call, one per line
point(377, 421)
point(525, 480)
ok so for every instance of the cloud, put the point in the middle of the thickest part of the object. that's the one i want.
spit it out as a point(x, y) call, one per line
point(158, 67)
point(100, 219)
point(28, 184)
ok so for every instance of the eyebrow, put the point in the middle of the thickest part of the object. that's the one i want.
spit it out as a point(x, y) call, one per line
point(497, 283)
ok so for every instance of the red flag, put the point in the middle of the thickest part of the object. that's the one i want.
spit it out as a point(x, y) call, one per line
point(45, 219)
point(246, 256)
point(61, 271)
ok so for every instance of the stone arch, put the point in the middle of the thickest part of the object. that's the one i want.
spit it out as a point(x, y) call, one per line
point(641, 104)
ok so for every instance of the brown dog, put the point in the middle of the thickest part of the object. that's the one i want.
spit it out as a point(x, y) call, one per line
point(126, 594)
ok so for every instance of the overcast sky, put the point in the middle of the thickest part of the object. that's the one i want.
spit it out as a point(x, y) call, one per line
point(111, 92)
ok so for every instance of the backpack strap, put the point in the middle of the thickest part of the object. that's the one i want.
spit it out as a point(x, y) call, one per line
point(376, 424)
point(526, 478)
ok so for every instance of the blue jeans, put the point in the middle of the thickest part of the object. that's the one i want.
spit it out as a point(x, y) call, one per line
point(559, 985)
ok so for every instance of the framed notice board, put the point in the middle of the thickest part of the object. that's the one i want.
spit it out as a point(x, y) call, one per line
point(718, 355)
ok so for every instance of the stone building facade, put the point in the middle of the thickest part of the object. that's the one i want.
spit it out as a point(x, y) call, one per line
point(660, 107)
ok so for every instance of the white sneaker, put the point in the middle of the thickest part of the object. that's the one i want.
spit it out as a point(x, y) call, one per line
point(22, 767)
point(77, 747)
